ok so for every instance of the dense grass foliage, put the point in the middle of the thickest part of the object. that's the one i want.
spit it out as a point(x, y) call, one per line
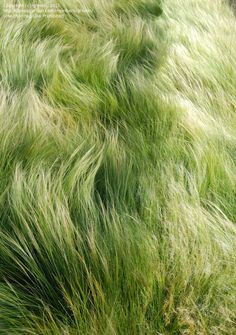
point(117, 169)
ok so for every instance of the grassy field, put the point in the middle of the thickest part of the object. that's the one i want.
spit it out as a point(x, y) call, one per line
point(118, 169)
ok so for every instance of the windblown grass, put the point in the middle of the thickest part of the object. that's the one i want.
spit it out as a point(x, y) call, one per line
point(117, 170)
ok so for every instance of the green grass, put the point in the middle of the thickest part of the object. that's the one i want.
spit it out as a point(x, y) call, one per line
point(117, 170)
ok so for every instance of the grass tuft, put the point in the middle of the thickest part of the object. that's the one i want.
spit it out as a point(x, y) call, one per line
point(117, 169)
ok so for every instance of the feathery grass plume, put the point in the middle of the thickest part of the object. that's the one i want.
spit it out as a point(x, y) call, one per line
point(117, 168)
